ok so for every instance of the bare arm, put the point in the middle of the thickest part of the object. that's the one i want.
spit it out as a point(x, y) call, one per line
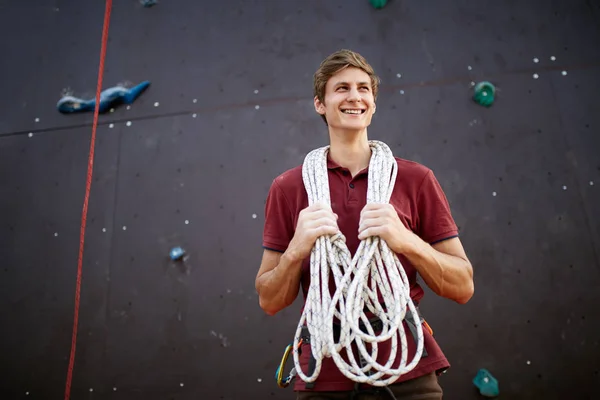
point(278, 280)
point(444, 267)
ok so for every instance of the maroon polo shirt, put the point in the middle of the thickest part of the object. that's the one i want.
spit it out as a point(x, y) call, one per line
point(422, 207)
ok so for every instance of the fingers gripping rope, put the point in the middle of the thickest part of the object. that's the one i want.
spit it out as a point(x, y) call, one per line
point(374, 260)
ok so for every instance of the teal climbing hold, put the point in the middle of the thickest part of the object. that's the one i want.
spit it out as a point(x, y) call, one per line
point(378, 3)
point(486, 383)
point(485, 93)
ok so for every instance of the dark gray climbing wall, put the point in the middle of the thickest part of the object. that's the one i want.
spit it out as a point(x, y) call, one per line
point(189, 164)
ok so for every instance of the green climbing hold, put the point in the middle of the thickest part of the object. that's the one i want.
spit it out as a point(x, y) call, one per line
point(484, 93)
point(486, 383)
point(378, 3)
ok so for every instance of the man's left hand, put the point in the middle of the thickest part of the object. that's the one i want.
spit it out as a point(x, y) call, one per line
point(382, 220)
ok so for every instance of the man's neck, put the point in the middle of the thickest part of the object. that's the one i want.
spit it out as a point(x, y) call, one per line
point(350, 150)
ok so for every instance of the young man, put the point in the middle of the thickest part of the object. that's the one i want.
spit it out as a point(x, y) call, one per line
point(416, 224)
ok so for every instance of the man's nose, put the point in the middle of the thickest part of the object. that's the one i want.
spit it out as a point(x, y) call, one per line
point(354, 95)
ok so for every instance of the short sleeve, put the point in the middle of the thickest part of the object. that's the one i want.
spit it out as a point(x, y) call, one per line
point(435, 221)
point(279, 222)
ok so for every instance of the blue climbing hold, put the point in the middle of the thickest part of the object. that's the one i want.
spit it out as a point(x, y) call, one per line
point(486, 383)
point(148, 3)
point(176, 253)
point(108, 98)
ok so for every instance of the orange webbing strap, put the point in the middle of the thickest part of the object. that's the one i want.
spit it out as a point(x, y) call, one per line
point(426, 325)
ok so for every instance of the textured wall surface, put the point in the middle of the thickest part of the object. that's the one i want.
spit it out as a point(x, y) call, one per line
point(190, 162)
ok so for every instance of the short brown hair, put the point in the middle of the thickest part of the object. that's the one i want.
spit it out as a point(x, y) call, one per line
point(336, 62)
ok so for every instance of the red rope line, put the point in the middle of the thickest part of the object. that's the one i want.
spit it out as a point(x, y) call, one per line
point(87, 197)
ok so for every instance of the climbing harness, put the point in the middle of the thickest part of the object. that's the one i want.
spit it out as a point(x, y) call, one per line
point(330, 324)
point(305, 338)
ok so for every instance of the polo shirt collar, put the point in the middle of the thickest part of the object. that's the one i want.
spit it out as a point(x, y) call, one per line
point(332, 165)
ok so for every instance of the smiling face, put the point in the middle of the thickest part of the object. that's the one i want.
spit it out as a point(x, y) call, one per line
point(349, 102)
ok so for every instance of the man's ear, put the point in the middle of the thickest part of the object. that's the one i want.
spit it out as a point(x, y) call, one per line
point(319, 107)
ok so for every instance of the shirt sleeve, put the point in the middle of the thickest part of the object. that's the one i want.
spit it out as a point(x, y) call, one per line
point(279, 222)
point(435, 221)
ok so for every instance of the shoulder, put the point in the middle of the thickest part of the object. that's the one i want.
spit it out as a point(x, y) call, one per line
point(411, 173)
point(290, 178)
point(281, 209)
point(290, 186)
point(417, 181)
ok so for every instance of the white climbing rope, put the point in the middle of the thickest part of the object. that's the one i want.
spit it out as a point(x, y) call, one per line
point(354, 292)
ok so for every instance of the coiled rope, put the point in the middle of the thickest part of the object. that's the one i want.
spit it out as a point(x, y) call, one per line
point(353, 292)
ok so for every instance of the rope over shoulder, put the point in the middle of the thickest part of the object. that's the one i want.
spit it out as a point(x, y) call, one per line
point(354, 292)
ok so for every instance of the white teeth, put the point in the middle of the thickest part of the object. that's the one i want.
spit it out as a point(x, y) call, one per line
point(352, 111)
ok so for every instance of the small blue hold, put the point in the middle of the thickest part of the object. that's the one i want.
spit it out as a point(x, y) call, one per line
point(486, 383)
point(176, 253)
point(108, 98)
point(148, 3)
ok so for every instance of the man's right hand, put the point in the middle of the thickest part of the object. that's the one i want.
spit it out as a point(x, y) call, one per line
point(314, 221)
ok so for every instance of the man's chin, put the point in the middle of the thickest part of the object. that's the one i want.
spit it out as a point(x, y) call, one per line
point(350, 128)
